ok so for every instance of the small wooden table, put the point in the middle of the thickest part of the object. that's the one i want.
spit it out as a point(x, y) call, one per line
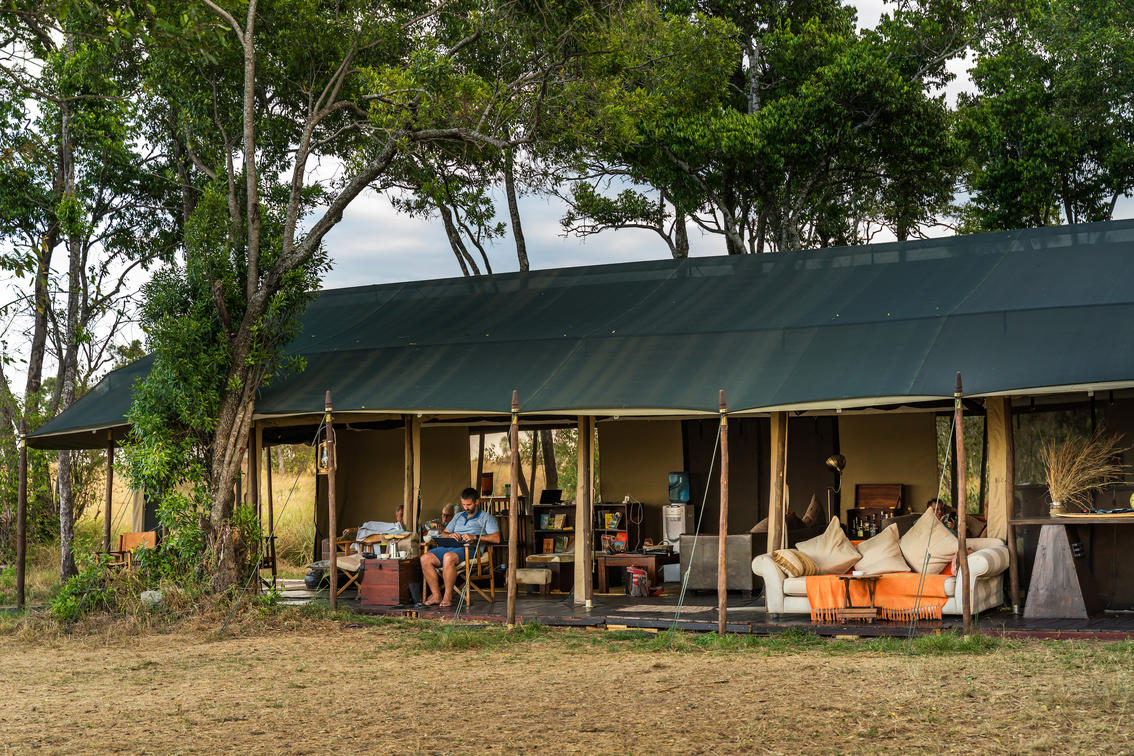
point(647, 562)
point(385, 582)
point(850, 611)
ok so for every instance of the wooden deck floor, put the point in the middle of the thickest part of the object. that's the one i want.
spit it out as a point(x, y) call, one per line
point(699, 614)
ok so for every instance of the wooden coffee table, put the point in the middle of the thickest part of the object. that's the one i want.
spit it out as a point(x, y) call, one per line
point(850, 611)
point(647, 562)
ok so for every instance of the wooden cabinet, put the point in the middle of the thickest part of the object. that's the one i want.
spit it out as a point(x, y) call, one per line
point(554, 528)
point(385, 582)
point(618, 525)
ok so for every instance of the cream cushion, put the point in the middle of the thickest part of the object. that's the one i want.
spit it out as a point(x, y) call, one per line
point(928, 534)
point(882, 553)
point(814, 514)
point(794, 563)
point(831, 551)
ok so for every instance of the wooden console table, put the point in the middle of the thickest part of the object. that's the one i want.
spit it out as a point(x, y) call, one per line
point(1062, 586)
point(648, 562)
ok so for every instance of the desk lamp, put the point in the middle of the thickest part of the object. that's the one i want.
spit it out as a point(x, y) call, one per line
point(836, 463)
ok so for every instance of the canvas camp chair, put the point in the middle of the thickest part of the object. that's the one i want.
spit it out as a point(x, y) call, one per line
point(123, 556)
point(350, 566)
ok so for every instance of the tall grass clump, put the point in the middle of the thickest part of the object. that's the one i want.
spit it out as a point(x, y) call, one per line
point(1077, 466)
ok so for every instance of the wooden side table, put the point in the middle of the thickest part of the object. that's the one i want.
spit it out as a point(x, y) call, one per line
point(851, 611)
point(647, 562)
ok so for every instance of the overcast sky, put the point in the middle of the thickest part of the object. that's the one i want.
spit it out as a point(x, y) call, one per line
point(374, 244)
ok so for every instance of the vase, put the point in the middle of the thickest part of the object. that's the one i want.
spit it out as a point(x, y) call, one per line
point(1056, 508)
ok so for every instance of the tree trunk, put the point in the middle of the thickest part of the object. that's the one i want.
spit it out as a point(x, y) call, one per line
point(550, 471)
point(514, 211)
point(65, 386)
point(681, 236)
point(234, 421)
point(465, 259)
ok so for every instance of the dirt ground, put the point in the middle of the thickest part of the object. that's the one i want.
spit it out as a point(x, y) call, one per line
point(346, 687)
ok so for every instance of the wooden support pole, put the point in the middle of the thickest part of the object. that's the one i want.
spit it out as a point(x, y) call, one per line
point(581, 575)
point(479, 465)
point(413, 515)
point(722, 536)
point(779, 470)
point(584, 523)
point(271, 514)
point(535, 456)
point(22, 515)
point(332, 515)
point(588, 493)
point(513, 507)
point(256, 443)
point(106, 515)
point(962, 508)
point(408, 481)
point(1002, 486)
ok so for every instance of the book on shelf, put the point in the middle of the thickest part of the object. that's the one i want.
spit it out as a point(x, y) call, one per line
point(612, 520)
point(543, 521)
point(619, 544)
point(563, 543)
point(548, 545)
point(560, 521)
point(607, 542)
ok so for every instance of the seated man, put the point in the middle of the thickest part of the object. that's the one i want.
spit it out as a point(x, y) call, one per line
point(470, 524)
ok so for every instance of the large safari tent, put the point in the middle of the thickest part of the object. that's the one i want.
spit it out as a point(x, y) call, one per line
point(848, 350)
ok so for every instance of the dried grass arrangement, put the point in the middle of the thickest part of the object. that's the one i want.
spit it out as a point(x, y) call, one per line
point(1076, 466)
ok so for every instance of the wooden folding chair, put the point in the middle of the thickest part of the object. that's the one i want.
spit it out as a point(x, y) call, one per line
point(475, 570)
point(123, 556)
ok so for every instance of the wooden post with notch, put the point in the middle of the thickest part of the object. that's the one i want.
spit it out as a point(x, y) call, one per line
point(513, 506)
point(106, 515)
point(722, 537)
point(332, 518)
point(776, 494)
point(962, 508)
point(22, 515)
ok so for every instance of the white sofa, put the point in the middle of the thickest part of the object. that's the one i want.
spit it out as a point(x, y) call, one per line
point(786, 595)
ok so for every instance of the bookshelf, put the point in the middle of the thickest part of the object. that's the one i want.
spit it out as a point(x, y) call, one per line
point(612, 520)
point(554, 528)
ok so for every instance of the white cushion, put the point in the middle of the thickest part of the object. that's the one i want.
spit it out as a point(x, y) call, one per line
point(796, 586)
point(882, 553)
point(831, 551)
point(928, 534)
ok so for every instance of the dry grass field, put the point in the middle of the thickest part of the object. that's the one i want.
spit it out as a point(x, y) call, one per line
point(302, 681)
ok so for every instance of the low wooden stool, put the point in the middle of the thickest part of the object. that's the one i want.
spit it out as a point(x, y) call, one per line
point(540, 576)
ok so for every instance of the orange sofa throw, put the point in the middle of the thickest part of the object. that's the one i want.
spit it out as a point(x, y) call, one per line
point(896, 596)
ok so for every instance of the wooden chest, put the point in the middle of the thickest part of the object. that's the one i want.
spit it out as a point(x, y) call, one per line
point(385, 582)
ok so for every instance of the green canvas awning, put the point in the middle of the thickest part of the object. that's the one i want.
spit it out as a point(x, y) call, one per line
point(1017, 312)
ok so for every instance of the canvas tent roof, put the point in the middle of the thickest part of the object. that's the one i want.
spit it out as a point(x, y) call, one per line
point(1021, 311)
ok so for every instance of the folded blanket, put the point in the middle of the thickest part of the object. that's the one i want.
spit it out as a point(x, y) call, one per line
point(896, 596)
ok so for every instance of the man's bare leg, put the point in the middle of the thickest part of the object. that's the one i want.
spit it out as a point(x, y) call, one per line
point(449, 573)
point(429, 565)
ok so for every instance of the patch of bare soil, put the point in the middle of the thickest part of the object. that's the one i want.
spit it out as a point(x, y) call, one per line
point(337, 688)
